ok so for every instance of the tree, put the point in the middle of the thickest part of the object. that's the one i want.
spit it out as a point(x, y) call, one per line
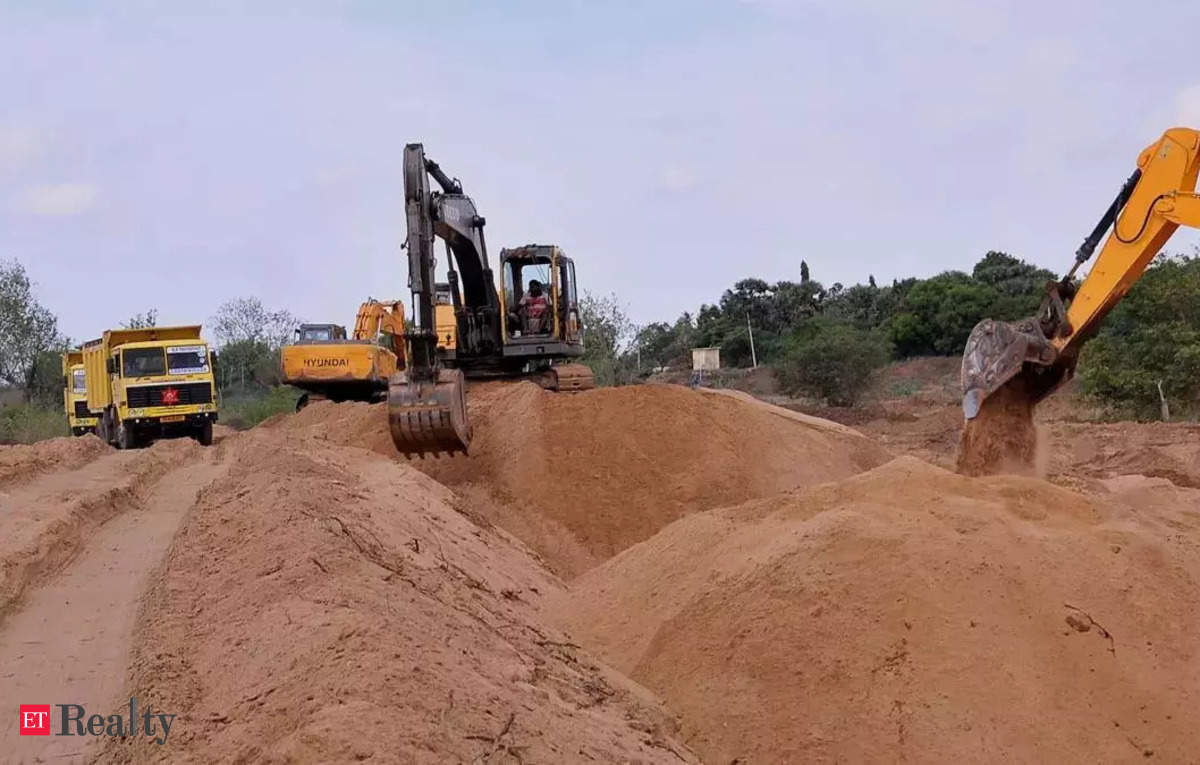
point(246, 319)
point(250, 337)
point(142, 320)
point(803, 271)
point(833, 360)
point(607, 332)
point(26, 327)
point(1152, 335)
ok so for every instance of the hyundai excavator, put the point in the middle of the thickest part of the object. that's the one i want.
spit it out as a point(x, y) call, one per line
point(467, 327)
point(1039, 354)
point(326, 364)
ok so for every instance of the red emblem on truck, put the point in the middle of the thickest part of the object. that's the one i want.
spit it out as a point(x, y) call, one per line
point(170, 397)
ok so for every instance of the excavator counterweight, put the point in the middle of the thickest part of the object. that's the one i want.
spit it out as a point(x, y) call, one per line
point(1038, 354)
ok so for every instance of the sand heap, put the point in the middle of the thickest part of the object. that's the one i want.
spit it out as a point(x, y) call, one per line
point(910, 613)
point(21, 463)
point(324, 604)
point(580, 477)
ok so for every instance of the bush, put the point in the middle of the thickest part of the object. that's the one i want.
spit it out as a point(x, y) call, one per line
point(832, 360)
point(248, 408)
point(1152, 335)
point(26, 423)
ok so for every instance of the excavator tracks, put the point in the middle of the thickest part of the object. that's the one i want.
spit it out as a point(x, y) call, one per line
point(567, 378)
point(429, 418)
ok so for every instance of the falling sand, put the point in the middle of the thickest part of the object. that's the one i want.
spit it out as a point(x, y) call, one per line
point(1002, 437)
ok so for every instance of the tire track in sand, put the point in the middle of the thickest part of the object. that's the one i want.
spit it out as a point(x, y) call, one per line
point(69, 637)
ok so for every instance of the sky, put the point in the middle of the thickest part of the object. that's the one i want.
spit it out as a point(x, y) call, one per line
point(176, 155)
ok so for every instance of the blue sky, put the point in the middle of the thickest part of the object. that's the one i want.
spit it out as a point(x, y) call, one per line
point(172, 159)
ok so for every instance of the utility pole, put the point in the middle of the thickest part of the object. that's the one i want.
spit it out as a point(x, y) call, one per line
point(753, 356)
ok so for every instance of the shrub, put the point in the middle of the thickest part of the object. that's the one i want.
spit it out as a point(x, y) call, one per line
point(832, 360)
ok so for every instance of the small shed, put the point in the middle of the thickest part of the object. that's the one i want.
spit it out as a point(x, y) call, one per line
point(706, 359)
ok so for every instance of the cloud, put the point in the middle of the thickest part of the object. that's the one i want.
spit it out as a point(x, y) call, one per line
point(677, 178)
point(73, 198)
point(1187, 107)
point(19, 146)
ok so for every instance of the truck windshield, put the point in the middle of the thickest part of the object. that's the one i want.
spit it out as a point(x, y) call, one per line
point(143, 362)
point(78, 381)
point(187, 359)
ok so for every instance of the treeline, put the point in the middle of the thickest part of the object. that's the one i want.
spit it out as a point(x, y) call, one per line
point(828, 340)
point(825, 340)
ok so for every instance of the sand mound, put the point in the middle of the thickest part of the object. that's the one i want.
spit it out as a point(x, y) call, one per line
point(24, 462)
point(323, 604)
point(581, 477)
point(910, 613)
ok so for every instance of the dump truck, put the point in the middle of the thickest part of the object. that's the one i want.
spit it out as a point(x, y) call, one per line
point(325, 363)
point(149, 383)
point(79, 418)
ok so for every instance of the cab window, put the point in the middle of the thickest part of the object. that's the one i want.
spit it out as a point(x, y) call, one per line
point(79, 381)
point(143, 362)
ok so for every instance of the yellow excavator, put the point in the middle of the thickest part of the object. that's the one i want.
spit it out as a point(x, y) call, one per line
point(467, 327)
point(1039, 354)
point(326, 364)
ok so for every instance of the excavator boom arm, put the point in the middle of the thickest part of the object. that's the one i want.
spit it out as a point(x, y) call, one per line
point(1162, 198)
point(1038, 354)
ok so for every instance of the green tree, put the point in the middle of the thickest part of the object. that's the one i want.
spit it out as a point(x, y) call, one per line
point(27, 328)
point(607, 332)
point(250, 336)
point(832, 360)
point(1152, 335)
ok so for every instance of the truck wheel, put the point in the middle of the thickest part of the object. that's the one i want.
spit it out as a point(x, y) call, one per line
point(126, 438)
point(302, 402)
point(204, 434)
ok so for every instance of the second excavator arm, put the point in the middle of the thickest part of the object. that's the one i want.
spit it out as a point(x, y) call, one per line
point(1040, 353)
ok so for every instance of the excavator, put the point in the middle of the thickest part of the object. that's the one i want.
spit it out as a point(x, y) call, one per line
point(1039, 354)
point(466, 327)
point(326, 364)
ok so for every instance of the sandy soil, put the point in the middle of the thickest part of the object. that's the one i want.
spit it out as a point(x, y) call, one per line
point(71, 638)
point(910, 613)
point(743, 584)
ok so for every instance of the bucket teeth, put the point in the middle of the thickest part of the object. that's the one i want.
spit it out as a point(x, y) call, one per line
point(426, 417)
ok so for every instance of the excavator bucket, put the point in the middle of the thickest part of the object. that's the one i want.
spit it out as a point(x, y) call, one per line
point(997, 352)
point(428, 417)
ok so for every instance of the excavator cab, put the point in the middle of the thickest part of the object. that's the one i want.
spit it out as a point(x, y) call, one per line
point(539, 296)
point(319, 333)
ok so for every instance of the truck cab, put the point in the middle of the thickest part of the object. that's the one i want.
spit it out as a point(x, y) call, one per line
point(79, 418)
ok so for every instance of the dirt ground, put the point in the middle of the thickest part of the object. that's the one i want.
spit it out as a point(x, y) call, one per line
point(645, 574)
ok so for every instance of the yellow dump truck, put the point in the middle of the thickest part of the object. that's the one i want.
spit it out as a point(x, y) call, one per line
point(79, 418)
point(150, 383)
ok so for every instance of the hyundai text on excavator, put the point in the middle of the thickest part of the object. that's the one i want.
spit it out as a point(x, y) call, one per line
point(526, 328)
point(1039, 354)
point(326, 364)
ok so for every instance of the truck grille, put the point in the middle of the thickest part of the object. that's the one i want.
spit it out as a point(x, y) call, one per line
point(81, 409)
point(152, 395)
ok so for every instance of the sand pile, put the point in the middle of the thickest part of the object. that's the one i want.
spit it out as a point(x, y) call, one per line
point(24, 462)
point(324, 604)
point(910, 613)
point(581, 477)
